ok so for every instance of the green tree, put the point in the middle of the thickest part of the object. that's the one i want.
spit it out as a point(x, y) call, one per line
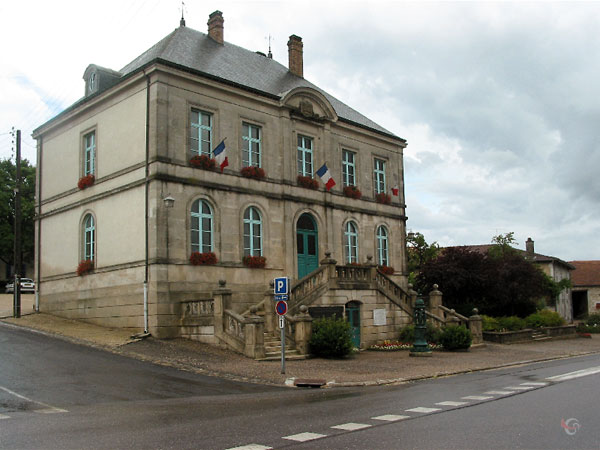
point(7, 209)
point(418, 253)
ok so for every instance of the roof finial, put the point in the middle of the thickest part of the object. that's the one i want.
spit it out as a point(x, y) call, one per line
point(182, 21)
point(270, 55)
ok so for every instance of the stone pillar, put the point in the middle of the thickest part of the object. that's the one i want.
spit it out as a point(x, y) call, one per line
point(476, 327)
point(254, 335)
point(413, 295)
point(372, 268)
point(222, 300)
point(303, 331)
point(331, 263)
point(435, 301)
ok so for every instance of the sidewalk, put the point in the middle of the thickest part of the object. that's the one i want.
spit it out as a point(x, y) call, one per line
point(364, 369)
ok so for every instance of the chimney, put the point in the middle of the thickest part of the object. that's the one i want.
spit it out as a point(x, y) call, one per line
point(215, 26)
point(529, 248)
point(295, 55)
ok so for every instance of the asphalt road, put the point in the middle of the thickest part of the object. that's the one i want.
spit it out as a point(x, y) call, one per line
point(54, 394)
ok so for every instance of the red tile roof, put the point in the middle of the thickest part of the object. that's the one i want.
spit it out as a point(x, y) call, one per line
point(586, 273)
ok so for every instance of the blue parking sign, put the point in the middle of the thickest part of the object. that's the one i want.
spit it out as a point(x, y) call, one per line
point(282, 286)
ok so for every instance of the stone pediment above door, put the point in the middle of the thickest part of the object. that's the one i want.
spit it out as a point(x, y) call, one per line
point(309, 104)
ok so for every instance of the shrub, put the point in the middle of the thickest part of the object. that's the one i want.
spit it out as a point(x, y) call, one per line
point(352, 192)
point(455, 337)
point(584, 328)
point(331, 338)
point(85, 266)
point(308, 182)
point(255, 262)
point(544, 318)
point(258, 173)
point(86, 181)
point(384, 198)
point(432, 334)
point(512, 323)
point(489, 323)
point(593, 320)
point(387, 270)
point(203, 162)
point(199, 259)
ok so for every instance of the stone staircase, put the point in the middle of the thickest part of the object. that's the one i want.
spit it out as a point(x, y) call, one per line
point(273, 349)
point(540, 335)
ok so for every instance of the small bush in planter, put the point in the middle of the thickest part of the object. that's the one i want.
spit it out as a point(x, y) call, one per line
point(308, 182)
point(85, 266)
point(200, 259)
point(512, 323)
point(455, 337)
point(255, 262)
point(544, 318)
point(258, 173)
point(352, 192)
point(387, 270)
point(86, 181)
point(489, 323)
point(203, 162)
point(384, 198)
point(331, 338)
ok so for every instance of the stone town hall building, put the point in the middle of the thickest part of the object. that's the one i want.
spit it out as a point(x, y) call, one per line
point(122, 208)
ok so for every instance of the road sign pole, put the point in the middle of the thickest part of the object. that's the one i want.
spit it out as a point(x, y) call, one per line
point(283, 347)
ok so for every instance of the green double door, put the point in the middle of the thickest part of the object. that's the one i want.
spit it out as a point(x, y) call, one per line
point(353, 318)
point(307, 245)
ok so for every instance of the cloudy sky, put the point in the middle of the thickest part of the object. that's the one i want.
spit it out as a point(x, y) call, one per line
point(499, 102)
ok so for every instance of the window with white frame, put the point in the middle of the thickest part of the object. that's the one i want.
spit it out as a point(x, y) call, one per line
point(251, 145)
point(383, 258)
point(351, 242)
point(253, 232)
point(201, 132)
point(305, 155)
point(348, 168)
point(201, 227)
point(379, 176)
point(89, 237)
point(89, 153)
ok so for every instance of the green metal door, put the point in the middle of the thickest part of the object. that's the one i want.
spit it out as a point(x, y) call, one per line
point(307, 245)
point(353, 317)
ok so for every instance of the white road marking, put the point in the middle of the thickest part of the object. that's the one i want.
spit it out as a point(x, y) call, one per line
point(576, 374)
point(534, 383)
point(519, 388)
point(303, 437)
point(423, 410)
point(2, 416)
point(477, 397)
point(22, 397)
point(500, 392)
point(251, 447)
point(50, 411)
point(351, 426)
point(390, 417)
point(452, 403)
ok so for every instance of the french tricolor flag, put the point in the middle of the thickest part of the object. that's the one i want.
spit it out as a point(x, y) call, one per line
point(221, 156)
point(396, 190)
point(324, 174)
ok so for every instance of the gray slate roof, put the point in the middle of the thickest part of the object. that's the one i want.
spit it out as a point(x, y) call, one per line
point(196, 51)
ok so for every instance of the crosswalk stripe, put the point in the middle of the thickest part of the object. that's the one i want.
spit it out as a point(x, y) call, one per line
point(534, 383)
point(452, 403)
point(351, 426)
point(499, 392)
point(576, 374)
point(477, 397)
point(2, 416)
point(423, 410)
point(251, 447)
point(50, 411)
point(390, 417)
point(303, 437)
point(519, 388)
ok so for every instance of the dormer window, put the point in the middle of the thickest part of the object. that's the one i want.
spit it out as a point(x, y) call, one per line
point(92, 83)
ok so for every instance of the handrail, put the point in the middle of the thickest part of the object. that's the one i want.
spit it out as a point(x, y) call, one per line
point(453, 313)
point(394, 292)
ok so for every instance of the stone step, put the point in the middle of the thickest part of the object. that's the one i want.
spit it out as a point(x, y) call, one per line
point(277, 357)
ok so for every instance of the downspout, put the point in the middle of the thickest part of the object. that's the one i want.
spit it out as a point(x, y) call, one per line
point(39, 223)
point(146, 184)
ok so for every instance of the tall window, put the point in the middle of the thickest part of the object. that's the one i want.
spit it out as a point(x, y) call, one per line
point(251, 136)
point(202, 227)
point(89, 153)
point(348, 168)
point(89, 237)
point(305, 149)
point(351, 240)
point(382, 246)
point(379, 176)
point(252, 232)
point(201, 129)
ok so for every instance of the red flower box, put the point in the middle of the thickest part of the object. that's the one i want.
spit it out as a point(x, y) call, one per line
point(258, 173)
point(85, 266)
point(308, 182)
point(86, 181)
point(352, 192)
point(202, 259)
point(383, 198)
point(386, 270)
point(203, 162)
point(255, 262)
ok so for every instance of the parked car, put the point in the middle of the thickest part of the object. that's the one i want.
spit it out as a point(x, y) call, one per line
point(27, 286)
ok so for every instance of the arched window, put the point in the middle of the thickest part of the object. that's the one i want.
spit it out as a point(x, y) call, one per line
point(351, 240)
point(89, 237)
point(383, 258)
point(252, 232)
point(202, 227)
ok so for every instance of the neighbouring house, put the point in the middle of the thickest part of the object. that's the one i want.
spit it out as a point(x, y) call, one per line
point(555, 268)
point(586, 288)
point(202, 171)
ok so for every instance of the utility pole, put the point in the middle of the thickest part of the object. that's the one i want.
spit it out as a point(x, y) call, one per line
point(17, 248)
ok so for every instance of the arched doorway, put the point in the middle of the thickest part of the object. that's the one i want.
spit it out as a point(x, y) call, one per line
point(353, 318)
point(307, 245)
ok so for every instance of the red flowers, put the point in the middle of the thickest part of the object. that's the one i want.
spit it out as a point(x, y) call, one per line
point(387, 270)
point(308, 182)
point(201, 259)
point(258, 173)
point(85, 266)
point(203, 162)
point(352, 192)
point(255, 262)
point(86, 181)
point(384, 198)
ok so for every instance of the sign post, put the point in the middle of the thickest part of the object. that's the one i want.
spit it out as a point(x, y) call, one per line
point(282, 289)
